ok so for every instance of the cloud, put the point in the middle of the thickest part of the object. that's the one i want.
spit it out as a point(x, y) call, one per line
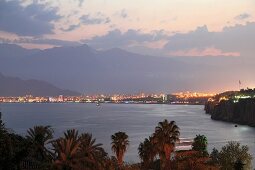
point(149, 44)
point(70, 28)
point(209, 51)
point(52, 42)
point(199, 38)
point(98, 19)
point(243, 16)
point(128, 39)
point(132, 40)
point(40, 41)
point(37, 18)
point(238, 38)
point(80, 2)
point(87, 19)
point(123, 13)
point(31, 20)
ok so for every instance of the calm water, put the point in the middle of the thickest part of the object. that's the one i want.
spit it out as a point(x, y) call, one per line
point(138, 121)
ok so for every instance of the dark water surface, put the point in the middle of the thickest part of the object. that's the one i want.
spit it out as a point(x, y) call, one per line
point(137, 120)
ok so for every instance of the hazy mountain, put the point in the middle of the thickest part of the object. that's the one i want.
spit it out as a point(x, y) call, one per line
point(12, 86)
point(86, 70)
point(12, 50)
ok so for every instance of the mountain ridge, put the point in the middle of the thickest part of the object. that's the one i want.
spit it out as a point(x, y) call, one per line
point(90, 71)
point(14, 86)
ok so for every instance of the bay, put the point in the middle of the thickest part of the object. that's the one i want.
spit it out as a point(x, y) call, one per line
point(137, 120)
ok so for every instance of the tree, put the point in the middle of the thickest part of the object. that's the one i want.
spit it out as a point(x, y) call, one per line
point(200, 144)
point(39, 137)
point(147, 153)
point(233, 152)
point(13, 148)
point(3, 130)
point(67, 151)
point(215, 156)
point(92, 155)
point(120, 143)
point(238, 165)
point(165, 137)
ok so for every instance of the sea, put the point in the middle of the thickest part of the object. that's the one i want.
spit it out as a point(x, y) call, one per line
point(137, 120)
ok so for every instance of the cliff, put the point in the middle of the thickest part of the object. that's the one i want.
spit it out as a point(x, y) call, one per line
point(240, 111)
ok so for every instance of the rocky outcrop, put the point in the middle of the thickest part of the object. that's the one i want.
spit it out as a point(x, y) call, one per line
point(242, 112)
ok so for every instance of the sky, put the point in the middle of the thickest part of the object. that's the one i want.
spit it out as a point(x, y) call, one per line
point(201, 31)
point(161, 28)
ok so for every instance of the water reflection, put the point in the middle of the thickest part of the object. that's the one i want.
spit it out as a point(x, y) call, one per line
point(138, 121)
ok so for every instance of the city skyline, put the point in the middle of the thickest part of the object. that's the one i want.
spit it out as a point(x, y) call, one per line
point(161, 84)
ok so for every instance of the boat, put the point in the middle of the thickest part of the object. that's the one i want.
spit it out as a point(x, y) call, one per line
point(98, 104)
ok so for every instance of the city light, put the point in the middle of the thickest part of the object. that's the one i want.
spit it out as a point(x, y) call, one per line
point(175, 98)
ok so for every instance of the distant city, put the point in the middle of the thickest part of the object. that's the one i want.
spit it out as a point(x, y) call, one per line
point(141, 98)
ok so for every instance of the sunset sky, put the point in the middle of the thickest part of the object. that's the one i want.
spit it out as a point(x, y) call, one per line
point(213, 33)
point(164, 27)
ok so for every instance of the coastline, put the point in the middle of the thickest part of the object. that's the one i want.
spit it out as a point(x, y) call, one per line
point(241, 112)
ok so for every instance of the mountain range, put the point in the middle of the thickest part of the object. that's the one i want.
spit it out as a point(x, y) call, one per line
point(91, 71)
point(13, 86)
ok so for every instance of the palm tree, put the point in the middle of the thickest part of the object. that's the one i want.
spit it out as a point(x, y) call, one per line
point(119, 146)
point(92, 154)
point(147, 152)
point(3, 129)
point(165, 136)
point(200, 144)
point(67, 151)
point(39, 137)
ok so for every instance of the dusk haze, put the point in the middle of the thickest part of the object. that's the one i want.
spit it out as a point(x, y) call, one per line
point(127, 85)
point(214, 39)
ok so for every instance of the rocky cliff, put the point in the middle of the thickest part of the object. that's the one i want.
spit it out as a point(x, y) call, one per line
point(241, 111)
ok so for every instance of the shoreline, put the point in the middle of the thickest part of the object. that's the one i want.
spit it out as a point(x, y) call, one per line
point(101, 103)
point(235, 122)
